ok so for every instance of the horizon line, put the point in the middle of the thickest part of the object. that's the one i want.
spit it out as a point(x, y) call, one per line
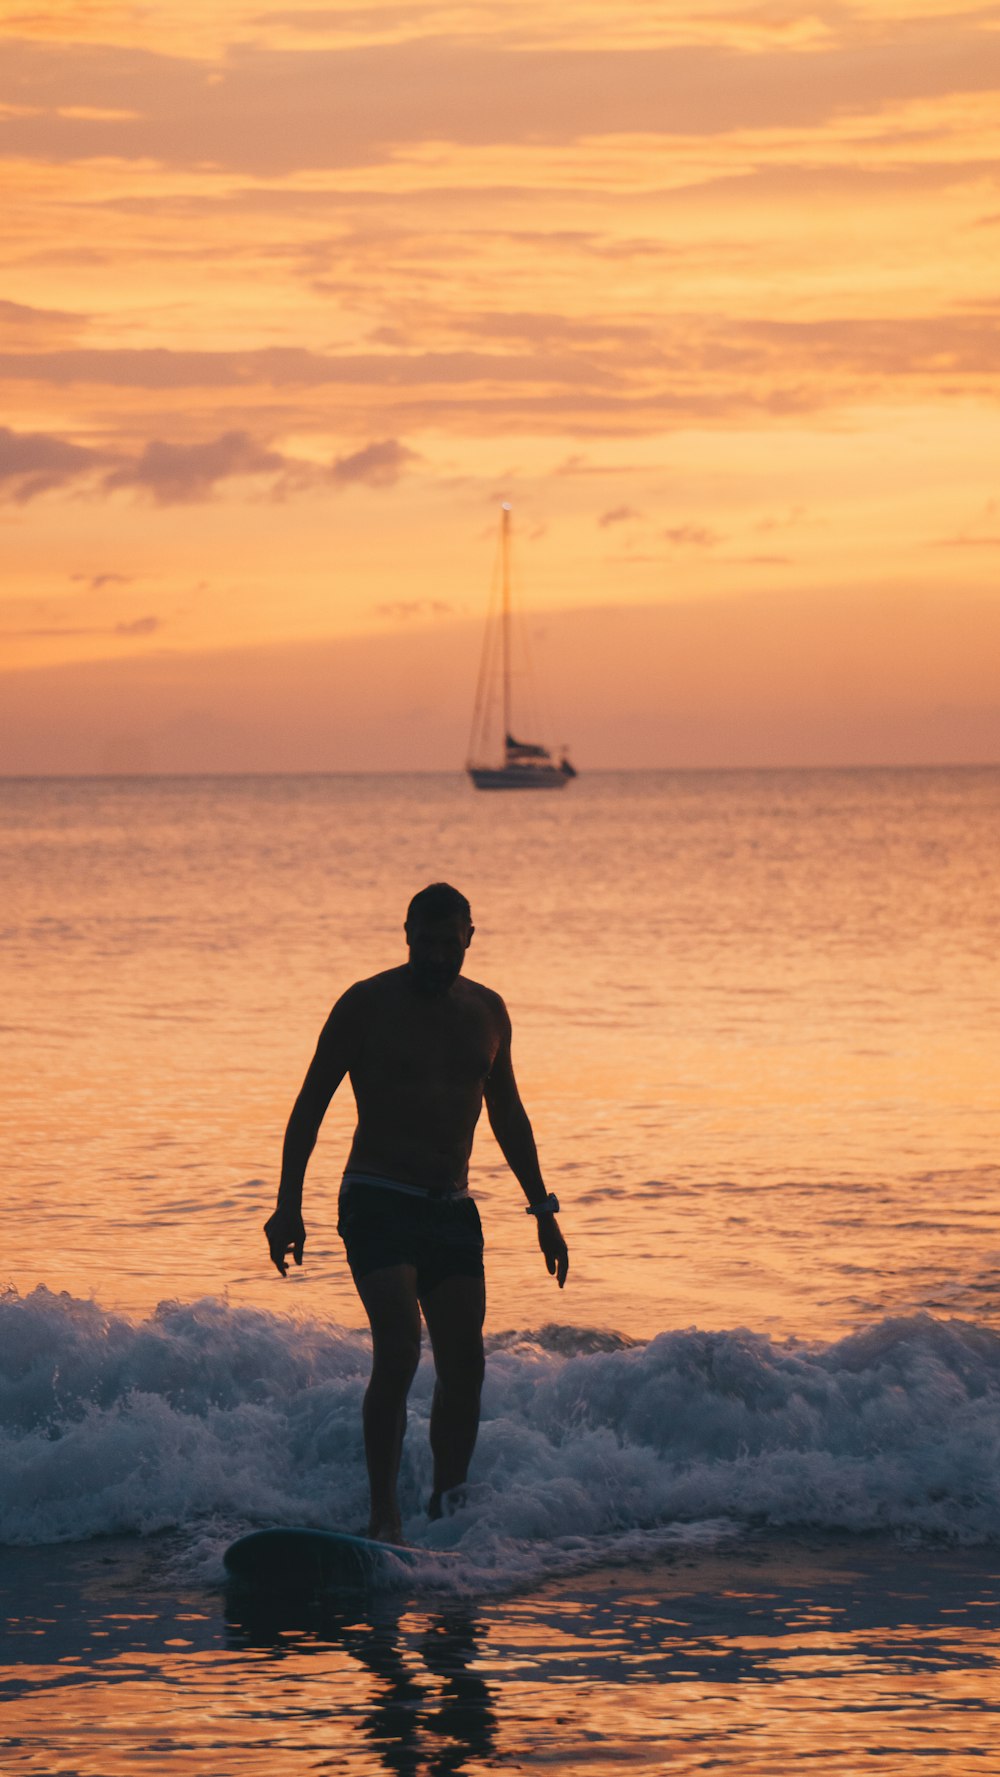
point(76, 777)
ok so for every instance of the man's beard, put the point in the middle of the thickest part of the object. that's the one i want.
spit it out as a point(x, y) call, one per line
point(434, 977)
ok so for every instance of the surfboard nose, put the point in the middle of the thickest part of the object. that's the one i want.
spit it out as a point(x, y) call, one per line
point(297, 1558)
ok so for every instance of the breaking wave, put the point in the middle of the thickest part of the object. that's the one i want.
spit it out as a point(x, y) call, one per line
point(207, 1420)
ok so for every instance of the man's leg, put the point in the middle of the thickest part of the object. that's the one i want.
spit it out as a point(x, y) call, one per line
point(390, 1299)
point(454, 1311)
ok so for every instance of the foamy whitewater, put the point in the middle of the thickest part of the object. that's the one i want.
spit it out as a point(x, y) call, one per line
point(207, 1420)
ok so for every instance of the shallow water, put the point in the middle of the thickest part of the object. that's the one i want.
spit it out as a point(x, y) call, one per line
point(851, 1655)
point(755, 1024)
point(736, 1500)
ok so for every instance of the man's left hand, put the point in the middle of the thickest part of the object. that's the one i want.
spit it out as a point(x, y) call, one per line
point(554, 1248)
point(286, 1234)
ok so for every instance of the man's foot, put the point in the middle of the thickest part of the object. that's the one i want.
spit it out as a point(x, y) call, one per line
point(442, 1504)
point(389, 1531)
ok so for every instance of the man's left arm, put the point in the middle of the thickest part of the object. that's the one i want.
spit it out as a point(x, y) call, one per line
point(509, 1123)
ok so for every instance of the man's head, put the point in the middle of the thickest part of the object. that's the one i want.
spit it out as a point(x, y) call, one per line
point(439, 931)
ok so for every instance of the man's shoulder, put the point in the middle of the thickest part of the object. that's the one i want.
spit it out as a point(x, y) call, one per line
point(367, 992)
point(486, 999)
point(373, 987)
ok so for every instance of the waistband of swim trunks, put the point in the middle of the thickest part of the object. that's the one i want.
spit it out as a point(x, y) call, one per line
point(355, 1177)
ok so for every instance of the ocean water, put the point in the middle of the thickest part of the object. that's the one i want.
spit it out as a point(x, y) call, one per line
point(751, 1451)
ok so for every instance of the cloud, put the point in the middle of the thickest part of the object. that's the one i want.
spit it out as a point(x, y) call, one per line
point(701, 368)
point(694, 536)
point(781, 521)
point(407, 608)
point(343, 19)
point(545, 391)
point(540, 329)
point(865, 172)
point(22, 326)
point(157, 367)
point(378, 465)
point(761, 561)
point(183, 473)
point(136, 626)
point(276, 110)
point(95, 582)
point(175, 473)
point(139, 626)
point(911, 345)
point(578, 464)
point(34, 463)
point(618, 515)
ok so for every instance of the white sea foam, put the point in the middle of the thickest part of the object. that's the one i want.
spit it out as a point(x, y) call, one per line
point(207, 1420)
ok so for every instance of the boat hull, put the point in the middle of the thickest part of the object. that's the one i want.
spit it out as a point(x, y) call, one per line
point(518, 777)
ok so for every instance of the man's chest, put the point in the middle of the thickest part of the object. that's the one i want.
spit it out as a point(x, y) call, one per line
point(435, 1046)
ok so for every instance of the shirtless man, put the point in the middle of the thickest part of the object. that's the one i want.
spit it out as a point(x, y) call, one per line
point(423, 1049)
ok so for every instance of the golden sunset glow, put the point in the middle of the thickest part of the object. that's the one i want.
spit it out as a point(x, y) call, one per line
point(293, 297)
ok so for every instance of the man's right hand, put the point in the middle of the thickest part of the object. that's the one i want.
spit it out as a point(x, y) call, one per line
point(554, 1248)
point(286, 1233)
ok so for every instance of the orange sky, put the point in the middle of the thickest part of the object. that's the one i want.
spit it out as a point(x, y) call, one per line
point(292, 297)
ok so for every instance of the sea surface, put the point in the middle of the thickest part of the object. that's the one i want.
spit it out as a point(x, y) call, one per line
point(736, 1500)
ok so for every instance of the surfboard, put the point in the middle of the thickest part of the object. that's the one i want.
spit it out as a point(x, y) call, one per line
point(296, 1558)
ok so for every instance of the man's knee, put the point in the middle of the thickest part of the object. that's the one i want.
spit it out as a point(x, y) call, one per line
point(462, 1371)
point(395, 1360)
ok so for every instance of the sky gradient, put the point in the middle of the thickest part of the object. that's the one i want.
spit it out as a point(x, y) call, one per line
point(291, 299)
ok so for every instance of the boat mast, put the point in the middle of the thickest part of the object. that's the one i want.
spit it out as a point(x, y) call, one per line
point(505, 622)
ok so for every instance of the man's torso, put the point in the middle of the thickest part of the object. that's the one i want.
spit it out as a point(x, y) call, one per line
point(418, 1068)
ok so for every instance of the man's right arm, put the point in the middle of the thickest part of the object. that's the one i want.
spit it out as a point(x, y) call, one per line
point(285, 1230)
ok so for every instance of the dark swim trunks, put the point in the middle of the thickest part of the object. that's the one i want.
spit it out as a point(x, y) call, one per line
point(441, 1236)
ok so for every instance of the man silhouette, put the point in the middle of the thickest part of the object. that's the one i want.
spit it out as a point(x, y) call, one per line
point(423, 1048)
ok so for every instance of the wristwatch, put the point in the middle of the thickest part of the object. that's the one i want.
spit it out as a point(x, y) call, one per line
point(550, 1207)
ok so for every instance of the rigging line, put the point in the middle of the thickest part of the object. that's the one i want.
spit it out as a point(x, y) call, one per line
point(537, 725)
point(482, 709)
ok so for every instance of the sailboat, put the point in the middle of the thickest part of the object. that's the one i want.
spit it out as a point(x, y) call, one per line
point(524, 764)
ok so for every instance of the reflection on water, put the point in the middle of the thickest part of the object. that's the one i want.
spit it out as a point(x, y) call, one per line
point(854, 1654)
point(415, 1695)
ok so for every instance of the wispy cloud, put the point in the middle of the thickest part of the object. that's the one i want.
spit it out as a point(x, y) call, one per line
point(34, 463)
point(780, 521)
point(290, 367)
point(139, 626)
point(175, 473)
point(761, 561)
point(714, 367)
point(77, 102)
point(22, 325)
point(133, 628)
point(404, 609)
point(169, 473)
point(378, 465)
point(618, 515)
point(692, 536)
point(97, 582)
